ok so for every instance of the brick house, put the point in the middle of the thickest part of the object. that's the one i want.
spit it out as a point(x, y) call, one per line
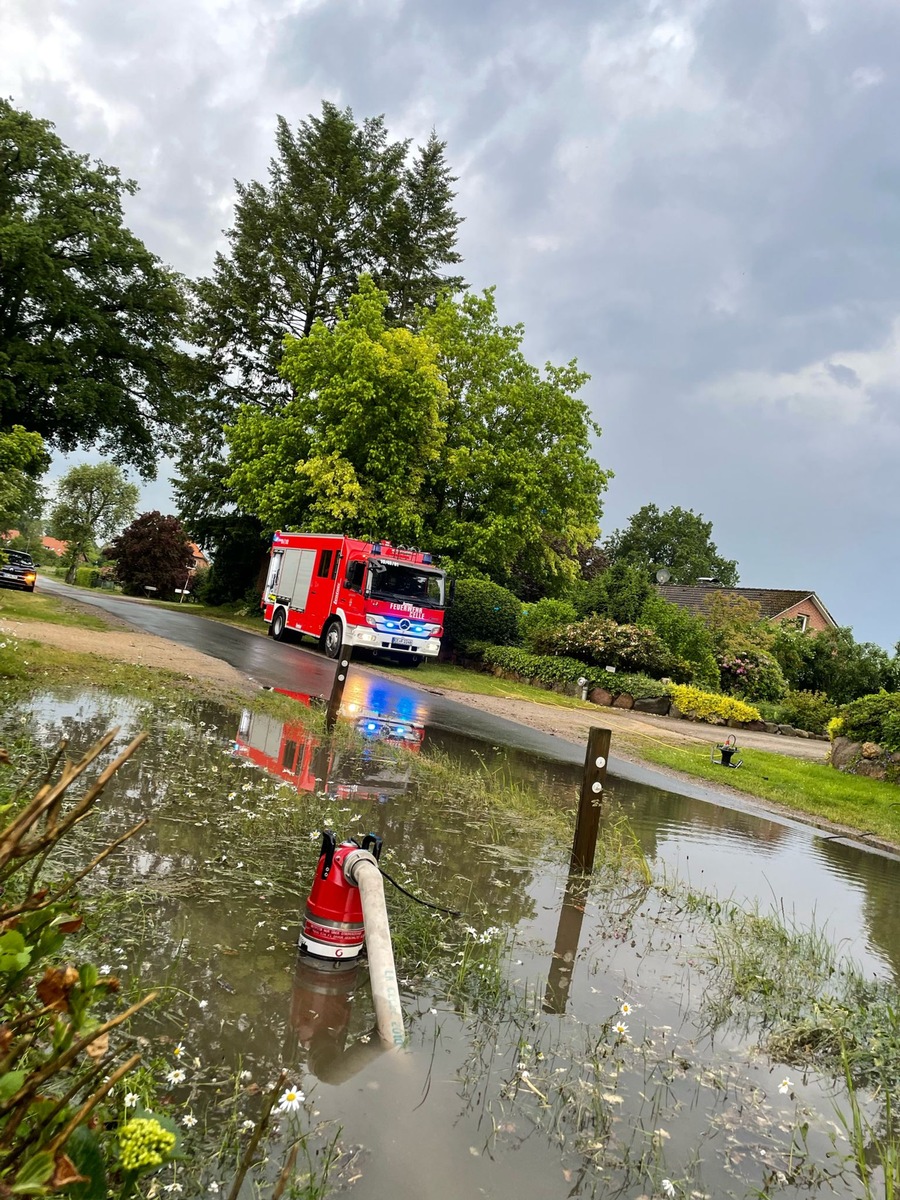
point(775, 604)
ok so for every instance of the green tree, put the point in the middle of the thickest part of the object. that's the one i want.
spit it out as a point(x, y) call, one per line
point(89, 318)
point(153, 551)
point(350, 451)
point(686, 635)
point(22, 460)
point(619, 592)
point(341, 200)
point(678, 540)
point(832, 661)
point(92, 503)
point(515, 494)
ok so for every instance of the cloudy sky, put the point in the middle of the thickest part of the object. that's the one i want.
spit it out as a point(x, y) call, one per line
point(698, 199)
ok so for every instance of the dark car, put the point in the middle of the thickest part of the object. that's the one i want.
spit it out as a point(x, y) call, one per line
point(17, 570)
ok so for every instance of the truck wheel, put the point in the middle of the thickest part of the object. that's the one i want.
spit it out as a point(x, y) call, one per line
point(279, 623)
point(332, 638)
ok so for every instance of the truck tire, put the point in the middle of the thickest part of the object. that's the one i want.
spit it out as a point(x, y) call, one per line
point(278, 626)
point(332, 639)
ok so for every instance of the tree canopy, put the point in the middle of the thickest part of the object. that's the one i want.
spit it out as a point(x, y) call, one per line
point(88, 316)
point(153, 551)
point(22, 459)
point(446, 437)
point(92, 503)
point(677, 539)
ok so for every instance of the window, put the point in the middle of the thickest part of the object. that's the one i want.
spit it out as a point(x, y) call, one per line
point(802, 622)
point(354, 577)
point(325, 564)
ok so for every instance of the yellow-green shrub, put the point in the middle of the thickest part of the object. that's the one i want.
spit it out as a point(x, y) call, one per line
point(835, 727)
point(705, 706)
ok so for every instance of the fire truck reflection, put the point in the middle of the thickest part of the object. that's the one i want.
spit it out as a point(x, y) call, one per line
point(287, 750)
point(321, 1007)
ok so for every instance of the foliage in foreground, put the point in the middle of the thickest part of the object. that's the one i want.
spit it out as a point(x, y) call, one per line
point(60, 1059)
point(873, 718)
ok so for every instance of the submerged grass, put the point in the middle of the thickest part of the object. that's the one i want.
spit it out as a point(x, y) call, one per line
point(813, 789)
point(463, 679)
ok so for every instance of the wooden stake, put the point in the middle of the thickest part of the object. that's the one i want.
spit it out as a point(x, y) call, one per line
point(587, 825)
point(337, 690)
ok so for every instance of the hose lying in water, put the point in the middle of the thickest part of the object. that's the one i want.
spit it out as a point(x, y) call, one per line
point(361, 869)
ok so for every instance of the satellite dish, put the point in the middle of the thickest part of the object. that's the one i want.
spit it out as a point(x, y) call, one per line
point(663, 576)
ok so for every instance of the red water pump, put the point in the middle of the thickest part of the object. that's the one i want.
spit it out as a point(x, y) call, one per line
point(333, 928)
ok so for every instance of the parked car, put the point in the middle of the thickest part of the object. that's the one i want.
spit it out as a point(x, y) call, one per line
point(17, 570)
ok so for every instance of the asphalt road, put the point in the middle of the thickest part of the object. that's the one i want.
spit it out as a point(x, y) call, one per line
point(305, 670)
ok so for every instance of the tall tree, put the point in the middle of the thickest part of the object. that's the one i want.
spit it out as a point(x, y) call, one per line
point(22, 460)
point(92, 503)
point(446, 437)
point(341, 200)
point(678, 539)
point(153, 551)
point(349, 452)
point(89, 318)
point(515, 494)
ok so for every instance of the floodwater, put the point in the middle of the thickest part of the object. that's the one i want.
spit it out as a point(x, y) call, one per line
point(514, 1082)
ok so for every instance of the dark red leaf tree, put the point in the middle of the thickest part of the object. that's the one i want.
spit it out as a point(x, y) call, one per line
point(153, 552)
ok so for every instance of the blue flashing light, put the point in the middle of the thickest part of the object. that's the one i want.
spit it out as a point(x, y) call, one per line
point(376, 549)
point(426, 558)
point(371, 726)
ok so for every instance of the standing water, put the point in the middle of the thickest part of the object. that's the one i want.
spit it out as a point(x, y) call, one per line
point(564, 1039)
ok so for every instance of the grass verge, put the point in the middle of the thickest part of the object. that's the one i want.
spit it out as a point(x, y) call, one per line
point(813, 789)
point(462, 679)
point(32, 606)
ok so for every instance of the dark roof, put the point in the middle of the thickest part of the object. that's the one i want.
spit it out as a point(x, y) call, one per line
point(772, 601)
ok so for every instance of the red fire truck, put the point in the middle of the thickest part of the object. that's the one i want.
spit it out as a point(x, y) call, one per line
point(367, 594)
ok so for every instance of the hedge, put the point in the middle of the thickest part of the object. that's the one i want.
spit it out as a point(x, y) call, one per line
point(482, 611)
point(873, 718)
point(550, 668)
point(87, 577)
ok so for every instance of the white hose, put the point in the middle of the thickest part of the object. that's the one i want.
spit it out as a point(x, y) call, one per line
point(361, 868)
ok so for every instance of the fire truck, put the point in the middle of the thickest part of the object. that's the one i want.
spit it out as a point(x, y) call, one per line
point(367, 594)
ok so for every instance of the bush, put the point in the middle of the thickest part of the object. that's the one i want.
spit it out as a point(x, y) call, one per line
point(751, 673)
point(686, 636)
point(482, 612)
point(548, 669)
point(544, 616)
point(88, 577)
point(706, 706)
point(600, 641)
point(874, 718)
point(807, 710)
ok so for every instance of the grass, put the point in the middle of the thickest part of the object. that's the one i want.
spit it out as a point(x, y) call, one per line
point(813, 789)
point(462, 679)
point(32, 606)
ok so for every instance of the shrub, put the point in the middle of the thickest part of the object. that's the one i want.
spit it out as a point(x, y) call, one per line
point(88, 577)
point(544, 616)
point(600, 641)
point(874, 718)
point(807, 710)
point(482, 611)
point(687, 636)
point(706, 706)
point(751, 673)
point(550, 668)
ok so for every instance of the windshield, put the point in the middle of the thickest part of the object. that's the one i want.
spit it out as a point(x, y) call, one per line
point(408, 585)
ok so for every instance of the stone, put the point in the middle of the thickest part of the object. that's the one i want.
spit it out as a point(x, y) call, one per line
point(843, 752)
point(756, 726)
point(675, 711)
point(869, 768)
point(657, 706)
point(771, 727)
point(786, 730)
point(870, 750)
point(600, 695)
point(623, 701)
point(733, 723)
point(801, 733)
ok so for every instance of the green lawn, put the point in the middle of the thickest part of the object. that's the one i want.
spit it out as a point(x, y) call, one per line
point(462, 679)
point(33, 606)
point(814, 789)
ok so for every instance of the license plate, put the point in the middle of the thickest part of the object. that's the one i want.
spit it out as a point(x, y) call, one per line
point(400, 644)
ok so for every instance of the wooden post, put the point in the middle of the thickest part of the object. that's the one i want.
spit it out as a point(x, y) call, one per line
point(587, 824)
point(337, 688)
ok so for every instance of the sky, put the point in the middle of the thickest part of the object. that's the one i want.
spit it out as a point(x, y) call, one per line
point(697, 199)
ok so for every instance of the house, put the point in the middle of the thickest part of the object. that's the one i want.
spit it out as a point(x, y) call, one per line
point(201, 562)
point(775, 604)
point(54, 545)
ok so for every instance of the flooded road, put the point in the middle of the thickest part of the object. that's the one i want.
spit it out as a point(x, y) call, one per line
point(515, 1082)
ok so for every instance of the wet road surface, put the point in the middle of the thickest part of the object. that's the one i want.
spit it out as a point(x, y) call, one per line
point(300, 669)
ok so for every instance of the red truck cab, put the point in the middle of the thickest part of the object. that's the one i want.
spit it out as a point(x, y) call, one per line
point(367, 594)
